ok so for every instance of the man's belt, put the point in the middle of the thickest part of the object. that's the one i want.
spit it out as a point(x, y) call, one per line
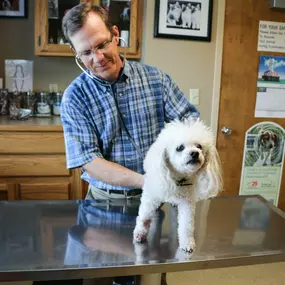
point(126, 193)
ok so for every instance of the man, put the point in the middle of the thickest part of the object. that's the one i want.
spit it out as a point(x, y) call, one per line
point(114, 110)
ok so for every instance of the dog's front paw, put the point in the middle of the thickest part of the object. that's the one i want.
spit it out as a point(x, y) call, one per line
point(140, 238)
point(139, 235)
point(189, 247)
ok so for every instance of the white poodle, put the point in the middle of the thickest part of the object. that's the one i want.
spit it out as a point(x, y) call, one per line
point(182, 167)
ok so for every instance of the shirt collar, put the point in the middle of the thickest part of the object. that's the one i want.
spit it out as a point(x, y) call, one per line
point(123, 76)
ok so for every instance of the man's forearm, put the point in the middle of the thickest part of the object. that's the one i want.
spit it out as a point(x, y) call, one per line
point(113, 173)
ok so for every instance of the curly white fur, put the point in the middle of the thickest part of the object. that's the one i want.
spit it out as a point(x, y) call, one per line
point(182, 167)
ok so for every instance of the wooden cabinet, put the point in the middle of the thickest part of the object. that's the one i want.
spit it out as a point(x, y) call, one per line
point(32, 162)
point(49, 40)
point(3, 192)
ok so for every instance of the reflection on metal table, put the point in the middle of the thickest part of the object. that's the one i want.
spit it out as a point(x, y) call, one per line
point(49, 240)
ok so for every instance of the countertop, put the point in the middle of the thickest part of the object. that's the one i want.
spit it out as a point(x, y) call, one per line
point(46, 240)
point(52, 123)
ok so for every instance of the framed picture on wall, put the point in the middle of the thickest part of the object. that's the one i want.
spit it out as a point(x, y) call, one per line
point(182, 19)
point(13, 8)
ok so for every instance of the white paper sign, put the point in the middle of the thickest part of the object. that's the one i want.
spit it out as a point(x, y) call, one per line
point(19, 75)
point(271, 36)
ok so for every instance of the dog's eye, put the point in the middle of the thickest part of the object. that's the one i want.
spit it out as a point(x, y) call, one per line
point(180, 148)
point(198, 146)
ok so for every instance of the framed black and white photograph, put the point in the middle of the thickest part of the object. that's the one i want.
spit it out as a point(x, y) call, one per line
point(13, 8)
point(182, 19)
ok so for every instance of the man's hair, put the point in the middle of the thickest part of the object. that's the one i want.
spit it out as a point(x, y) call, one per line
point(75, 18)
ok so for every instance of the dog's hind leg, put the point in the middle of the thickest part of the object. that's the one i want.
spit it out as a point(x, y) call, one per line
point(147, 210)
point(186, 225)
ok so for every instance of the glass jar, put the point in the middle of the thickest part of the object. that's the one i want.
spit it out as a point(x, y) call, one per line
point(29, 102)
point(43, 107)
point(56, 103)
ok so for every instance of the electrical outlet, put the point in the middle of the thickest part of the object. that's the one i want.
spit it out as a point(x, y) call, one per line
point(53, 88)
point(194, 96)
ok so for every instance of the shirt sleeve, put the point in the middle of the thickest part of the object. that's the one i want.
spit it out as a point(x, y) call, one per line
point(176, 106)
point(81, 142)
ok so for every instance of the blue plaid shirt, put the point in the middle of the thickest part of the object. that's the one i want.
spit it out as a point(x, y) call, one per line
point(146, 98)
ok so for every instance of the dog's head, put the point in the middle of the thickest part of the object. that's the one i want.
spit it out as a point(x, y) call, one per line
point(186, 145)
point(184, 148)
point(267, 139)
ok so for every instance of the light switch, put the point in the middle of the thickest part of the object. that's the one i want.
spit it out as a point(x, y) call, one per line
point(195, 96)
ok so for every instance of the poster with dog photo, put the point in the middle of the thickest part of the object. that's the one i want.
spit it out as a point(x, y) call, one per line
point(263, 161)
point(183, 19)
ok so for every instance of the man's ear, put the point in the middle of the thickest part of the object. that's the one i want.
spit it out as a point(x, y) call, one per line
point(115, 31)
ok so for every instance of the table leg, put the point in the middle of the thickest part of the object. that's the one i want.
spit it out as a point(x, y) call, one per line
point(150, 279)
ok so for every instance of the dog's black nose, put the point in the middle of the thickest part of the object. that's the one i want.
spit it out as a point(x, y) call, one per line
point(194, 154)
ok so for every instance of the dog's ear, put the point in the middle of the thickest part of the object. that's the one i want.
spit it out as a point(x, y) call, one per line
point(155, 160)
point(156, 164)
point(210, 182)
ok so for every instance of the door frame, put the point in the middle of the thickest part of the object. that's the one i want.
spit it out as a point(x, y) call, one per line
point(218, 66)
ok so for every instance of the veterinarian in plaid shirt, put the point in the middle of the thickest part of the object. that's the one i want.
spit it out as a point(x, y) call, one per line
point(95, 137)
point(114, 110)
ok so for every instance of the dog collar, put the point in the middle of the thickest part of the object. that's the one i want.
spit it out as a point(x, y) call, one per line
point(183, 182)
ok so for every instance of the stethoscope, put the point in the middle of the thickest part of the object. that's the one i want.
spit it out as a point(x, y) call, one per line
point(94, 77)
point(104, 83)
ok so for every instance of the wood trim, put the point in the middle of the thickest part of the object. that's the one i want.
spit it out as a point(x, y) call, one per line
point(33, 165)
point(45, 191)
point(3, 187)
point(13, 192)
point(46, 49)
point(140, 27)
point(76, 185)
point(34, 142)
point(218, 65)
point(34, 180)
point(44, 25)
point(133, 28)
point(37, 19)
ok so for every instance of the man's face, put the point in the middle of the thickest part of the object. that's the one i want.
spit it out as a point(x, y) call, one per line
point(97, 48)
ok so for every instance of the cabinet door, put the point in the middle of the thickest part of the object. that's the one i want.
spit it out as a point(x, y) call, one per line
point(126, 15)
point(3, 192)
point(40, 189)
point(49, 39)
point(44, 191)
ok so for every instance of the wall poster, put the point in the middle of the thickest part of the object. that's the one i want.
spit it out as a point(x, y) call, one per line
point(263, 161)
point(270, 96)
